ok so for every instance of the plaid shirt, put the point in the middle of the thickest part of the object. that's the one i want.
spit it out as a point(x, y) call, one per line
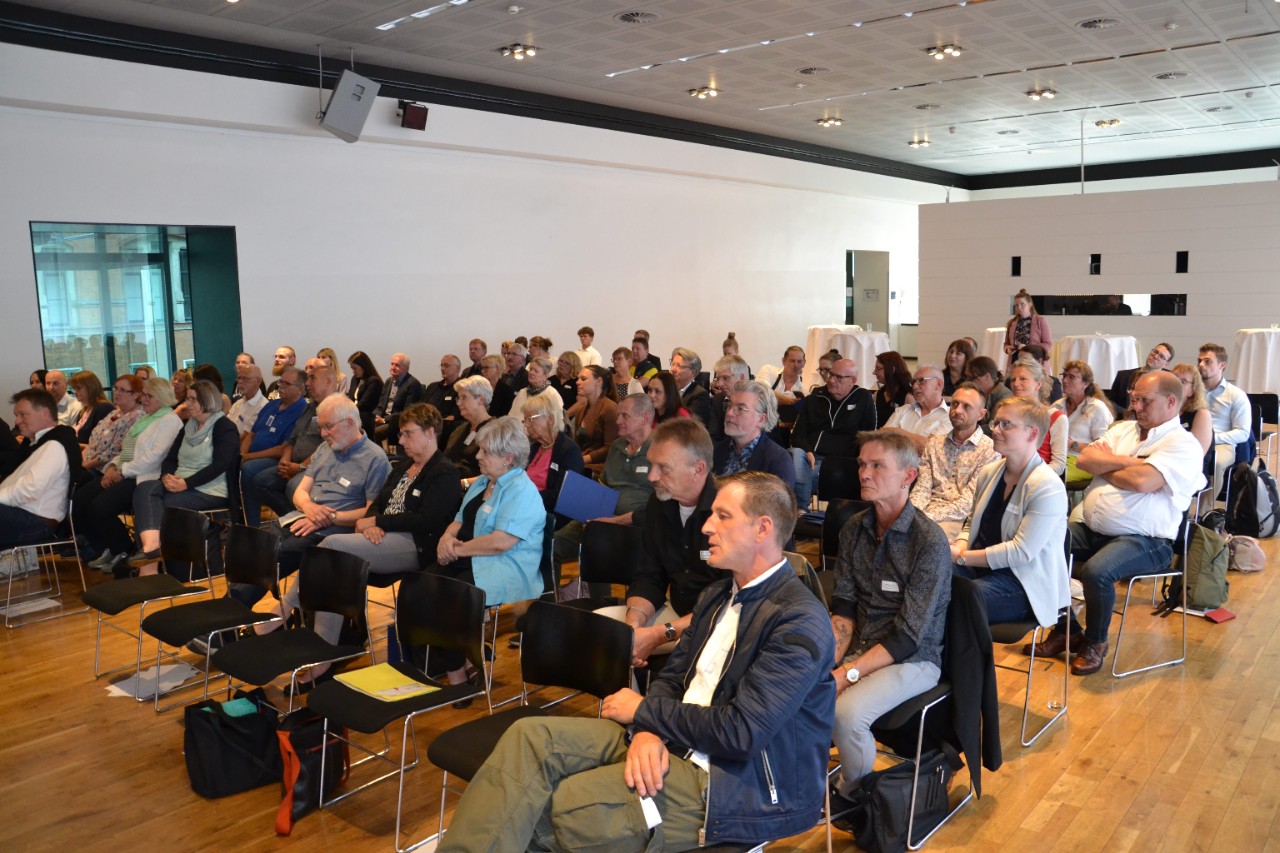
point(949, 473)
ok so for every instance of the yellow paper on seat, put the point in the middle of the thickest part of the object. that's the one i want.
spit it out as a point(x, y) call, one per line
point(385, 682)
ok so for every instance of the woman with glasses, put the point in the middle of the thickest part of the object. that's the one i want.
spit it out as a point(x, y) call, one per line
point(552, 452)
point(1027, 381)
point(624, 383)
point(473, 395)
point(1088, 414)
point(108, 436)
point(99, 504)
point(539, 370)
point(1195, 417)
point(1012, 545)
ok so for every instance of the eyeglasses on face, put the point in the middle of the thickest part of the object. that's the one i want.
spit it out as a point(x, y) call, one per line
point(1004, 424)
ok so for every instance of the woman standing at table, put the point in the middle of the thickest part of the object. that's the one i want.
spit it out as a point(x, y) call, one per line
point(1027, 380)
point(1026, 326)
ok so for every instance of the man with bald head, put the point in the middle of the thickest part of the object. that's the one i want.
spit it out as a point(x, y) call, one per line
point(55, 382)
point(399, 392)
point(249, 398)
point(828, 425)
point(440, 394)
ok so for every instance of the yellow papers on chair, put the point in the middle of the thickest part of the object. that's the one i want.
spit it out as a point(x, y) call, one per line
point(385, 682)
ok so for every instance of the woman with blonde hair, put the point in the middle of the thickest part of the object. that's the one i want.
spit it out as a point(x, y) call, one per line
point(331, 358)
point(1027, 380)
point(1026, 326)
point(552, 452)
point(1088, 413)
point(1195, 417)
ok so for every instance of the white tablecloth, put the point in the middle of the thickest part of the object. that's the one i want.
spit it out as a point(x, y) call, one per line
point(1106, 354)
point(992, 346)
point(862, 347)
point(817, 342)
point(1255, 366)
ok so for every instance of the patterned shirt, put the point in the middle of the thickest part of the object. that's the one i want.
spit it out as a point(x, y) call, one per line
point(108, 436)
point(949, 473)
point(738, 461)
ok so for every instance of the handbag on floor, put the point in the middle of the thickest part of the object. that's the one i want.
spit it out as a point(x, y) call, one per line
point(300, 736)
point(880, 819)
point(231, 746)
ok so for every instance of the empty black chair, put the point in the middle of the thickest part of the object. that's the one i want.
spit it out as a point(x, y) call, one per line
point(1266, 411)
point(838, 479)
point(563, 647)
point(839, 512)
point(433, 611)
point(183, 535)
point(250, 559)
point(608, 556)
point(332, 581)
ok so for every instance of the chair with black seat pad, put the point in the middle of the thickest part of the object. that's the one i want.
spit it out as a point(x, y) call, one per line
point(40, 583)
point(837, 480)
point(608, 556)
point(1266, 411)
point(331, 581)
point(432, 611)
point(839, 511)
point(563, 647)
point(183, 535)
point(250, 559)
point(1013, 632)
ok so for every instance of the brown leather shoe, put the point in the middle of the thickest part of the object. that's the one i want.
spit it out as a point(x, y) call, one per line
point(1088, 659)
point(1055, 644)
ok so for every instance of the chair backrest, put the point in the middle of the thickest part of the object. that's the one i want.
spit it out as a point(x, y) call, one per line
point(838, 479)
point(838, 514)
point(335, 582)
point(575, 649)
point(547, 564)
point(251, 557)
point(184, 537)
point(1268, 405)
point(443, 613)
point(610, 553)
point(805, 573)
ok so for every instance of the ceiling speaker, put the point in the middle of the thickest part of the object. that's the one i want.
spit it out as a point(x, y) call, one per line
point(349, 106)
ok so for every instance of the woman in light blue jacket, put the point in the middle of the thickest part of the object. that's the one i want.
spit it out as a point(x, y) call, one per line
point(1012, 545)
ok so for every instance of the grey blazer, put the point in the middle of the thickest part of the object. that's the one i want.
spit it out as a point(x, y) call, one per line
point(1034, 529)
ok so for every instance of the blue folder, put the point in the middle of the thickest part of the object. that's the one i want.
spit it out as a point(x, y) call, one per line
point(582, 498)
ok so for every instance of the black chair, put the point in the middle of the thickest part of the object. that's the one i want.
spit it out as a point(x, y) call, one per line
point(1266, 411)
point(39, 583)
point(183, 535)
point(250, 559)
point(839, 512)
point(548, 570)
point(332, 581)
point(563, 647)
point(1013, 632)
point(433, 611)
point(608, 556)
point(837, 480)
point(1175, 570)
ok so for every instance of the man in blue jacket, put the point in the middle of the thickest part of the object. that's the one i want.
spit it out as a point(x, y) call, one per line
point(729, 745)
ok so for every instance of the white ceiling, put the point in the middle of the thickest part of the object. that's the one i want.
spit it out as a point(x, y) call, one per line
point(1228, 50)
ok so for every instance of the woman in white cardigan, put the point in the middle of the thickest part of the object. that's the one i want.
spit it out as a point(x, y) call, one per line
point(99, 504)
point(1013, 544)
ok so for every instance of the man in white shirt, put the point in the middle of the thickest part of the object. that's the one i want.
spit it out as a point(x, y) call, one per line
point(747, 697)
point(950, 463)
point(928, 414)
point(1229, 408)
point(588, 354)
point(33, 499)
point(68, 407)
point(244, 411)
point(1144, 474)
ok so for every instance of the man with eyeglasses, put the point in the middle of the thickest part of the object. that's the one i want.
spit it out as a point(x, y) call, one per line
point(928, 415)
point(261, 447)
point(752, 412)
point(1159, 358)
point(828, 425)
point(728, 372)
point(1144, 474)
point(249, 398)
point(685, 366)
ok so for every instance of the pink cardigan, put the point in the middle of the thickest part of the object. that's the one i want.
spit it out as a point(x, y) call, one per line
point(1040, 333)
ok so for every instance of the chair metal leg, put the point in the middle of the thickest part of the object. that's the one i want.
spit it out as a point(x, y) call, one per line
point(1115, 661)
point(915, 785)
point(49, 585)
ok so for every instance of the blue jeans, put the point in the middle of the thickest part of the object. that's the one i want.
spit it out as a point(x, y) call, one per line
point(19, 527)
point(1002, 593)
point(1100, 561)
point(806, 477)
point(261, 485)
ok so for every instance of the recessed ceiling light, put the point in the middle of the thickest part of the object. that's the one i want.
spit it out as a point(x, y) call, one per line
point(1099, 23)
point(918, 143)
point(1106, 123)
point(1045, 94)
point(636, 17)
point(704, 92)
point(927, 107)
point(829, 121)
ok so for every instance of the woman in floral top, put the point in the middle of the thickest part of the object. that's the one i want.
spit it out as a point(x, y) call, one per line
point(108, 436)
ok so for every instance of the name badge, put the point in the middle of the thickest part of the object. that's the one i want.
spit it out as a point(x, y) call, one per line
point(555, 466)
point(471, 436)
point(889, 586)
point(448, 399)
point(344, 482)
point(417, 493)
point(704, 555)
point(642, 469)
point(270, 420)
point(851, 406)
point(486, 508)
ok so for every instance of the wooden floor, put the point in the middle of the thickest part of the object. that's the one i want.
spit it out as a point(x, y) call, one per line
point(1185, 758)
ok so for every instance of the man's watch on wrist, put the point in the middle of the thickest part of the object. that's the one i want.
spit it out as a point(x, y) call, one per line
point(960, 560)
point(669, 632)
point(852, 675)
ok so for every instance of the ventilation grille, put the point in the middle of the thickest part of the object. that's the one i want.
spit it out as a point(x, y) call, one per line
point(927, 107)
point(1170, 75)
point(635, 17)
point(813, 71)
point(1099, 23)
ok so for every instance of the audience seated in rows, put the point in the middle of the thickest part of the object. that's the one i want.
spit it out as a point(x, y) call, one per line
point(1029, 382)
point(399, 392)
point(474, 395)
point(595, 413)
point(927, 414)
point(262, 447)
point(33, 499)
point(950, 464)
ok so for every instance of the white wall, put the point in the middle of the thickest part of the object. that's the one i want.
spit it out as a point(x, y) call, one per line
point(1230, 232)
point(485, 225)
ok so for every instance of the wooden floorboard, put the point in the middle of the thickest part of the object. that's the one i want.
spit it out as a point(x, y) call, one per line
point(1184, 758)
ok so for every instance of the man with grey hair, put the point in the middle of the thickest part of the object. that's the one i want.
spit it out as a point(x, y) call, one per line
point(249, 398)
point(928, 415)
point(728, 372)
point(515, 357)
point(55, 382)
point(685, 367)
point(752, 412)
point(345, 475)
point(400, 391)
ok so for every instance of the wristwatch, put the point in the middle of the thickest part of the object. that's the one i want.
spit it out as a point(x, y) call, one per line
point(960, 560)
point(669, 633)
point(852, 674)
